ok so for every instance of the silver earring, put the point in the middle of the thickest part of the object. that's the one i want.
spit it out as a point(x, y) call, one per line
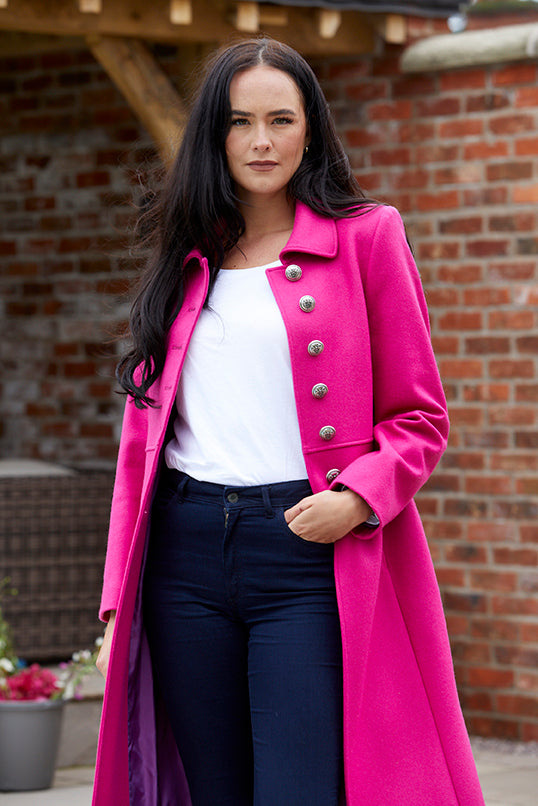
point(306, 149)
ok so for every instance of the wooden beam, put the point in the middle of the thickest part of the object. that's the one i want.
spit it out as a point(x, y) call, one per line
point(393, 29)
point(90, 6)
point(212, 24)
point(146, 87)
point(180, 12)
point(247, 17)
point(329, 22)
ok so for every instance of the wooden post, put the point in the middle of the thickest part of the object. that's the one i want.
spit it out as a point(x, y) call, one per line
point(147, 89)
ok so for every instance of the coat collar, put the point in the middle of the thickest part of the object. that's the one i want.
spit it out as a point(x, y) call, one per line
point(312, 233)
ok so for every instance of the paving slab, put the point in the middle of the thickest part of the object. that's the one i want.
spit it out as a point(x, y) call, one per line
point(508, 772)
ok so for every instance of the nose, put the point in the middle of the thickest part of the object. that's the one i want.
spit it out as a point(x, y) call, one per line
point(261, 140)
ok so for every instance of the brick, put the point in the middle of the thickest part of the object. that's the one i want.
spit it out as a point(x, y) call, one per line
point(487, 101)
point(419, 131)
point(511, 320)
point(466, 602)
point(450, 576)
point(460, 174)
point(526, 146)
point(514, 74)
point(491, 678)
point(526, 393)
point(529, 634)
point(511, 124)
point(511, 369)
point(510, 171)
point(444, 200)
point(461, 320)
point(518, 509)
point(512, 704)
point(458, 129)
point(488, 485)
point(467, 225)
point(511, 415)
point(527, 194)
point(486, 151)
point(8, 248)
point(437, 106)
point(515, 556)
point(461, 274)
point(516, 462)
point(483, 345)
point(517, 270)
point(478, 197)
point(491, 532)
point(436, 152)
point(463, 459)
point(505, 582)
point(526, 96)
point(495, 629)
point(390, 110)
point(527, 344)
point(466, 553)
point(439, 250)
point(528, 581)
point(494, 727)
point(463, 79)
point(92, 179)
point(526, 439)
point(487, 297)
point(517, 656)
point(487, 247)
point(467, 416)
point(462, 368)
point(412, 85)
point(512, 223)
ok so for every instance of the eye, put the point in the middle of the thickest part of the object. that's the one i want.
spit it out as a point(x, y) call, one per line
point(282, 121)
point(239, 122)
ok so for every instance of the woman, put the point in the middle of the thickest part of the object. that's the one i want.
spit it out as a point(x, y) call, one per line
point(275, 634)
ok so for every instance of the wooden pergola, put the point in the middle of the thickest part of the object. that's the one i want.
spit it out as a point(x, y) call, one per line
point(120, 32)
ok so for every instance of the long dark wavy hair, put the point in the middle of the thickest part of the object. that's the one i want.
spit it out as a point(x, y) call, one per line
point(197, 206)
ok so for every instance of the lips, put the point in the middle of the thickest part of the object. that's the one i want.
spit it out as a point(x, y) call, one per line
point(262, 165)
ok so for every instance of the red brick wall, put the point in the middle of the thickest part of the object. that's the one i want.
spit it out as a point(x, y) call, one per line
point(456, 152)
point(68, 148)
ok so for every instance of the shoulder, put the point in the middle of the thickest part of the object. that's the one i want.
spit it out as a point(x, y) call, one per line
point(371, 219)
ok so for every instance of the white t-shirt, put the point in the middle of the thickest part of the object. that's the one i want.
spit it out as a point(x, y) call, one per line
point(237, 420)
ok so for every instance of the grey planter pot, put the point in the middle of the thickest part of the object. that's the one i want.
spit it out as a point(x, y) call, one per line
point(29, 739)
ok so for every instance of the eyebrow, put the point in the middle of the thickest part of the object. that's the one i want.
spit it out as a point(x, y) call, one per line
point(270, 114)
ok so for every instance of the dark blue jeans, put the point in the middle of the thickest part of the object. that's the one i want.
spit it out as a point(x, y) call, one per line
point(244, 633)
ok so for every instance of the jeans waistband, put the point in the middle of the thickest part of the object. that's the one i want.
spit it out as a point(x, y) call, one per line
point(283, 493)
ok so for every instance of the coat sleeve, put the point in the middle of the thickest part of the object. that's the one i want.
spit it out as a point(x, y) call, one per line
point(126, 501)
point(410, 415)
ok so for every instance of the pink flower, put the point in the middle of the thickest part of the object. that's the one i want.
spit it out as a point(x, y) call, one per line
point(34, 683)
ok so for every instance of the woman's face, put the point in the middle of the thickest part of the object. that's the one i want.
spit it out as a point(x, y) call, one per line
point(268, 132)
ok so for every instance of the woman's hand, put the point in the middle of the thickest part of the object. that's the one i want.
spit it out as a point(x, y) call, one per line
point(104, 653)
point(327, 516)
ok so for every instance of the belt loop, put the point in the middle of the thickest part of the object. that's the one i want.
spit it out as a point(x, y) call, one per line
point(267, 502)
point(181, 487)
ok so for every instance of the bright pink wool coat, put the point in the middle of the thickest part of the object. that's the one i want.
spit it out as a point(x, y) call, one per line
point(405, 742)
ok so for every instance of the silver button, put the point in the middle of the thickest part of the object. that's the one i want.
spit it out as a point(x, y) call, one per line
point(319, 390)
point(307, 303)
point(332, 474)
point(233, 498)
point(327, 432)
point(315, 347)
point(293, 273)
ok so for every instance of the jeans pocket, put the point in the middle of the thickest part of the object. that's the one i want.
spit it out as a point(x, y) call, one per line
point(308, 545)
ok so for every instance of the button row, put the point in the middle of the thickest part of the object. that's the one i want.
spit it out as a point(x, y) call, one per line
point(307, 303)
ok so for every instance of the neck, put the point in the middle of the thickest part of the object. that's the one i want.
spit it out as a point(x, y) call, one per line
point(264, 217)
